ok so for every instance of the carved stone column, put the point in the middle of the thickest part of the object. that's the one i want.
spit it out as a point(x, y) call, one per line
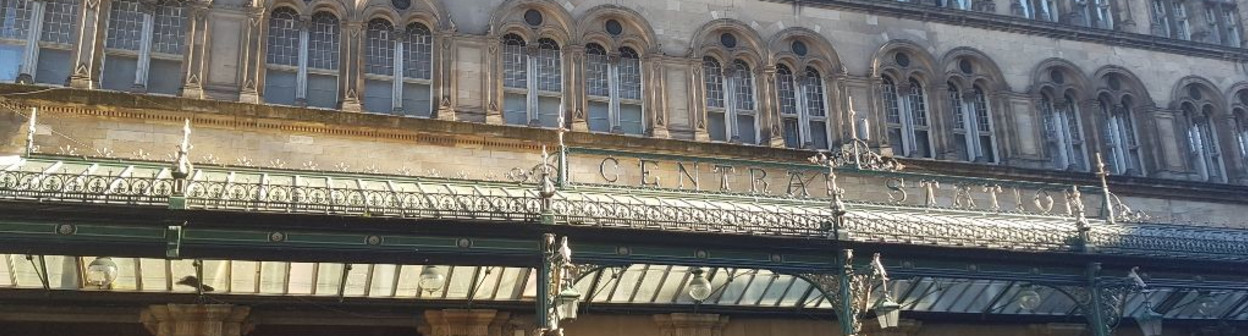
point(656, 85)
point(350, 79)
point(697, 101)
point(196, 320)
point(768, 112)
point(574, 87)
point(905, 327)
point(444, 79)
point(466, 322)
point(87, 52)
point(494, 81)
point(1056, 329)
point(685, 324)
point(197, 38)
point(253, 55)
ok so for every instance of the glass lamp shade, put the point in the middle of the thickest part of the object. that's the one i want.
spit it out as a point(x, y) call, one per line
point(1150, 322)
point(1028, 299)
point(889, 314)
point(431, 278)
point(567, 303)
point(101, 272)
point(699, 287)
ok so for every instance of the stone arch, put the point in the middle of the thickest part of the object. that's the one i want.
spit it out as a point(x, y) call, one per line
point(985, 72)
point(557, 24)
point(1208, 94)
point(1130, 86)
point(1072, 79)
point(637, 33)
point(706, 41)
point(820, 55)
point(921, 66)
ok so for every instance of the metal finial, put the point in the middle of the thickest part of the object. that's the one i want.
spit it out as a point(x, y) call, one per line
point(30, 131)
point(559, 130)
point(1103, 175)
point(182, 163)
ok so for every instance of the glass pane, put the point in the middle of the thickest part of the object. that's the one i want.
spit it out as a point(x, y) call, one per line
point(745, 123)
point(119, 72)
point(323, 91)
point(10, 62)
point(379, 48)
point(894, 139)
point(630, 77)
point(378, 96)
point(14, 19)
point(283, 39)
point(515, 108)
point(383, 281)
point(279, 87)
point(169, 30)
point(791, 133)
point(985, 144)
point(715, 126)
point(328, 276)
point(596, 75)
point(323, 45)
point(959, 147)
point(548, 111)
point(549, 67)
point(125, 25)
point(167, 78)
point(53, 67)
point(416, 100)
point(59, 17)
point(418, 51)
point(712, 76)
point(819, 134)
point(301, 280)
point(599, 117)
point(922, 144)
point(630, 119)
point(515, 63)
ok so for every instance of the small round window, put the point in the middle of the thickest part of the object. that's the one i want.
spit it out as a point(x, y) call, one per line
point(613, 27)
point(1114, 83)
point(728, 40)
point(902, 59)
point(533, 17)
point(1057, 76)
point(799, 48)
point(1194, 91)
point(1243, 97)
point(966, 66)
point(401, 4)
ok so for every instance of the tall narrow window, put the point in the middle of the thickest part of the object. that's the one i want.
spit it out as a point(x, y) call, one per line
point(397, 69)
point(1182, 30)
point(1063, 134)
point(1101, 15)
point(1230, 25)
point(1205, 156)
point(142, 40)
point(972, 128)
point(56, 40)
point(1161, 21)
point(614, 87)
point(1043, 10)
point(1241, 133)
point(532, 82)
point(1211, 21)
point(802, 108)
point(1120, 140)
point(302, 60)
point(731, 109)
point(907, 119)
point(35, 40)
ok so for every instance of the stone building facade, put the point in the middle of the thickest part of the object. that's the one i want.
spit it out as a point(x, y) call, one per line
point(1035, 91)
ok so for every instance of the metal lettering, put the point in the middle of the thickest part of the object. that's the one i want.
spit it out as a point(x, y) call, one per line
point(929, 191)
point(1043, 201)
point(724, 171)
point(758, 176)
point(645, 173)
point(798, 184)
point(602, 169)
point(896, 192)
point(683, 173)
point(992, 191)
point(962, 196)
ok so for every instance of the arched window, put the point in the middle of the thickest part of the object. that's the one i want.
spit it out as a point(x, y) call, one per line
point(1120, 137)
point(1043, 10)
point(730, 117)
point(1203, 148)
point(1170, 19)
point(908, 129)
point(802, 108)
point(35, 40)
point(1062, 132)
point(302, 60)
point(402, 54)
point(532, 82)
point(972, 126)
point(143, 40)
point(1241, 132)
point(614, 87)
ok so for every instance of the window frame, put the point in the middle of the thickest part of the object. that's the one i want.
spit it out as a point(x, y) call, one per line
point(33, 40)
point(1059, 119)
point(730, 80)
point(304, 69)
point(905, 106)
point(613, 62)
point(967, 112)
point(1121, 137)
point(531, 57)
point(147, 51)
point(1203, 148)
point(801, 90)
point(399, 42)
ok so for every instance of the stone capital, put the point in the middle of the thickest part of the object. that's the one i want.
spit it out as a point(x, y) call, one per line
point(686, 324)
point(196, 320)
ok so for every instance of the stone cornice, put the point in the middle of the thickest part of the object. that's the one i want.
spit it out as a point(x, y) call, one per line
point(1021, 25)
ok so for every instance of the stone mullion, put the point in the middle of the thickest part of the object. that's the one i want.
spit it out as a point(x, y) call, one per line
point(768, 113)
point(87, 51)
point(574, 88)
point(494, 82)
point(656, 104)
point(697, 101)
point(350, 78)
point(253, 55)
point(444, 81)
point(197, 37)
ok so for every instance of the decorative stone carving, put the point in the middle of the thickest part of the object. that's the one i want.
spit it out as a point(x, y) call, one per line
point(196, 320)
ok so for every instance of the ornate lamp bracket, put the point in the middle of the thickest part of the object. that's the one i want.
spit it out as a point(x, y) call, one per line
point(851, 288)
point(1103, 299)
point(557, 296)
